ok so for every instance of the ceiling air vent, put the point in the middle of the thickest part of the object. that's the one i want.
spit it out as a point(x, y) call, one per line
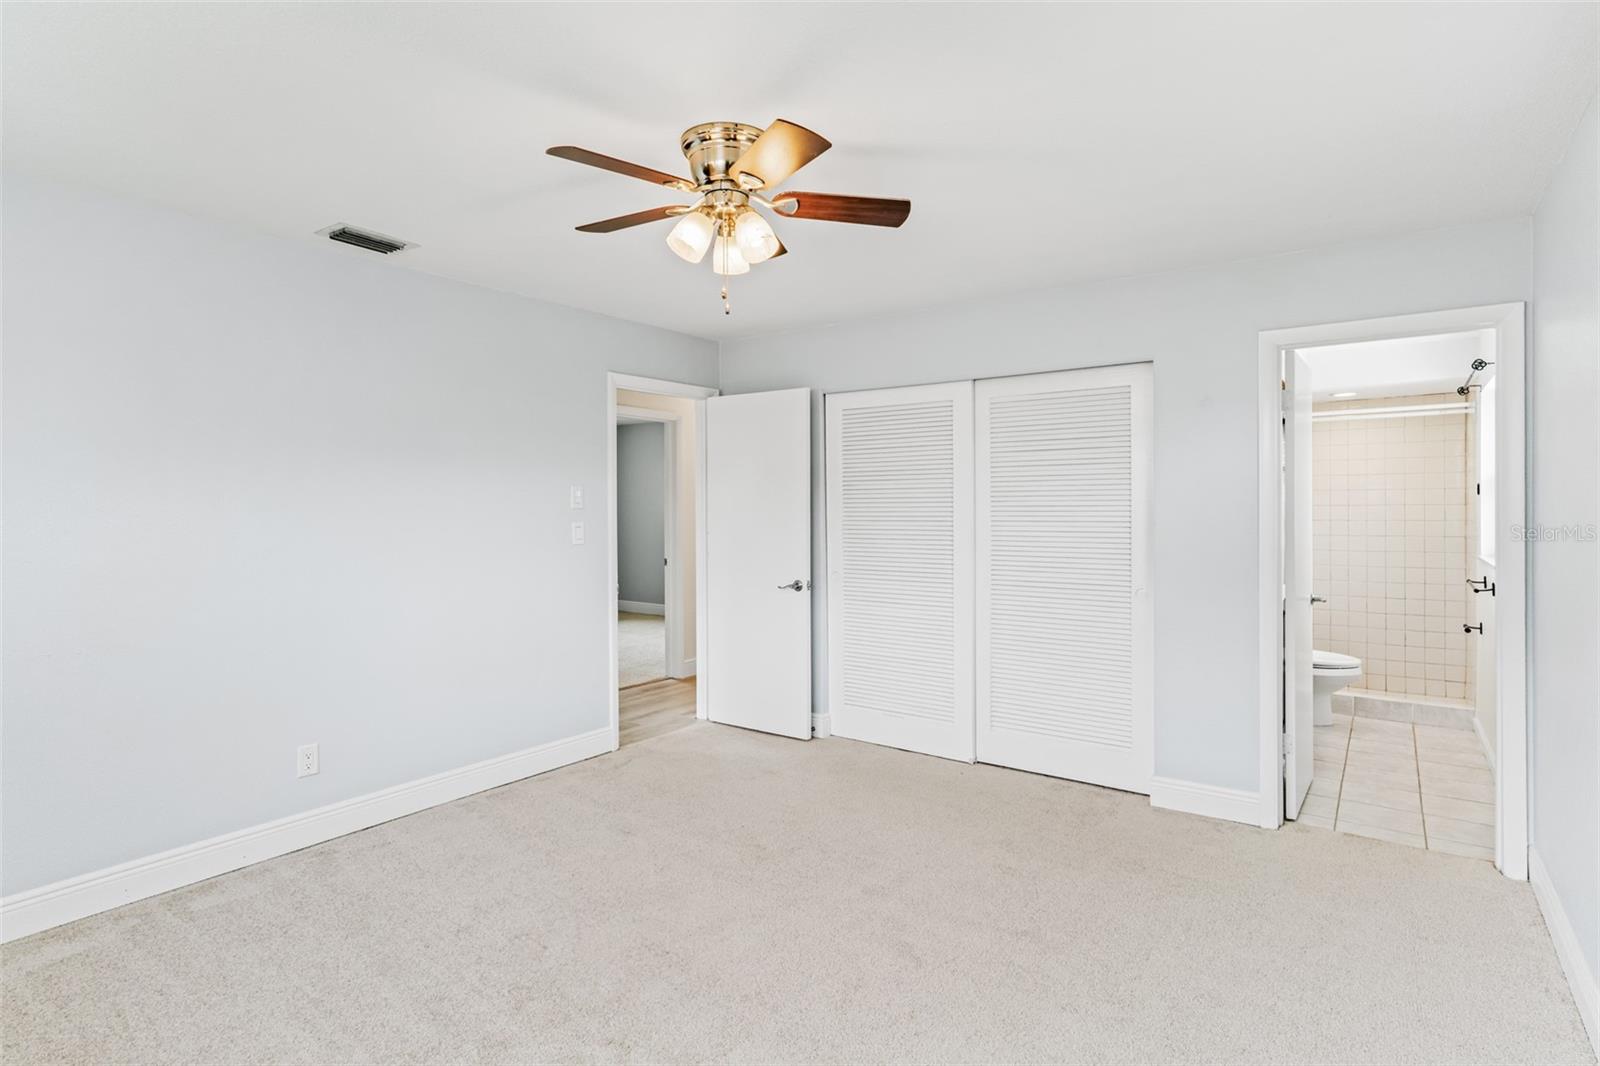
point(372, 242)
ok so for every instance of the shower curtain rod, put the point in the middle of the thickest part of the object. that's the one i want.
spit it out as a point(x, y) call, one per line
point(1416, 410)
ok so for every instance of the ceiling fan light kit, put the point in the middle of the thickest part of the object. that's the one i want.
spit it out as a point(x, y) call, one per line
point(726, 260)
point(757, 243)
point(692, 236)
point(730, 165)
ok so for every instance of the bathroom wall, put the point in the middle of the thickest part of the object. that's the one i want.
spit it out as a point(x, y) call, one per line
point(1389, 513)
point(1480, 608)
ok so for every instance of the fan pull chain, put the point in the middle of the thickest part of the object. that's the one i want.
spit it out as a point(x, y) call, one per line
point(727, 308)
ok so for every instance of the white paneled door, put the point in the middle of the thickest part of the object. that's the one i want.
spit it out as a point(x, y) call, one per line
point(899, 511)
point(756, 661)
point(1063, 618)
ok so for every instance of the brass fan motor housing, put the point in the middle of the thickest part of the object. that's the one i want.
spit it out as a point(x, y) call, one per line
point(714, 147)
point(724, 205)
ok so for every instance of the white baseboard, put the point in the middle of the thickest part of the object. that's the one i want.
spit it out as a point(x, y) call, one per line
point(685, 669)
point(42, 908)
point(637, 607)
point(821, 725)
point(1483, 740)
point(1584, 989)
point(1212, 801)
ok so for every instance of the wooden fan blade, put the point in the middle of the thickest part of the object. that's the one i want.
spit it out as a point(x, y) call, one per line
point(638, 218)
point(826, 207)
point(619, 166)
point(780, 151)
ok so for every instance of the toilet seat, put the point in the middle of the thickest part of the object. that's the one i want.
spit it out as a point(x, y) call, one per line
point(1331, 662)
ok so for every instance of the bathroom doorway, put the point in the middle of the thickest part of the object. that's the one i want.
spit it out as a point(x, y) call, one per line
point(1397, 591)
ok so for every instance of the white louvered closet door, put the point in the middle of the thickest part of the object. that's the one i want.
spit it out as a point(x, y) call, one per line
point(1063, 613)
point(900, 557)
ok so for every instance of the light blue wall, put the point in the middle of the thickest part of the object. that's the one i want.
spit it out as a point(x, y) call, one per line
point(1200, 329)
point(1564, 593)
point(260, 493)
point(641, 512)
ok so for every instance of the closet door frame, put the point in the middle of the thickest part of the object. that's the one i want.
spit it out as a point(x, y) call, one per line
point(957, 740)
point(1137, 768)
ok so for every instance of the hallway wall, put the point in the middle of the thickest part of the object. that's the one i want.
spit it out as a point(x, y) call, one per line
point(641, 513)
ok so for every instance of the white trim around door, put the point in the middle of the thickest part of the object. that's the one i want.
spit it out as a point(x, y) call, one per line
point(1511, 748)
point(658, 387)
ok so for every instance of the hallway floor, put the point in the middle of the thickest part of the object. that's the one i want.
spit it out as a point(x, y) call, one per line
point(655, 709)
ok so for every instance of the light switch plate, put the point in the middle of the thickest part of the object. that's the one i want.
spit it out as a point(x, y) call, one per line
point(577, 497)
point(577, 532)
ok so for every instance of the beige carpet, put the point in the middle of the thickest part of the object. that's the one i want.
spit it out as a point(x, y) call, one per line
point(641, 648)
point(715, 894)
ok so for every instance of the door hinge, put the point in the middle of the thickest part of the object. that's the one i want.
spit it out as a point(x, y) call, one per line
point(1285, 749)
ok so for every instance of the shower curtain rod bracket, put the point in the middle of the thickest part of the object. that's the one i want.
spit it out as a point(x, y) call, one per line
point(1466, 388)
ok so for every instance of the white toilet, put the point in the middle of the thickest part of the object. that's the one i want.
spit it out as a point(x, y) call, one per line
point(1330, 672)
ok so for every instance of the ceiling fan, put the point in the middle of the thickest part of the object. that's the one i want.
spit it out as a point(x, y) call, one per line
point(731, 164)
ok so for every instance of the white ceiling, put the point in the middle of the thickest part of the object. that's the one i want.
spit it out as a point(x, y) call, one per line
point(1407, 366)
point(1039, 144)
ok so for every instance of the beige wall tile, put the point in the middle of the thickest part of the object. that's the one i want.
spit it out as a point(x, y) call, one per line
point(1390, 520)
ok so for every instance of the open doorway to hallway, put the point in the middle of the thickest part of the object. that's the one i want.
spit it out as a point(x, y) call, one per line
point(655, 476)
point(644, 513)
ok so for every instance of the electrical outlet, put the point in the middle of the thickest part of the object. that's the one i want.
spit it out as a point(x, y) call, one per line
point(577, 497)
point(305, 760)
point(577, 532)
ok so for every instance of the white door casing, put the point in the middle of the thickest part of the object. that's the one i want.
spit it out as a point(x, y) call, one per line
point(1298, 729)
point(758, 545)
point(899, 510)
point(1063, 610)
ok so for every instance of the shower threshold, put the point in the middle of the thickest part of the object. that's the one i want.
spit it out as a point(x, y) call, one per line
point(1404, 707)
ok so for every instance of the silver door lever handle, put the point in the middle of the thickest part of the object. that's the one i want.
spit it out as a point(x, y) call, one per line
point(796, 585)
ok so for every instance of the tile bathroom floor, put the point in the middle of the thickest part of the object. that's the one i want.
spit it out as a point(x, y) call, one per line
point(1423, 785)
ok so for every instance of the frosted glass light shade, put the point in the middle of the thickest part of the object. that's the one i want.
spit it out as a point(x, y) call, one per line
point(757, 242)
point(726, 259)
point(691, 236)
